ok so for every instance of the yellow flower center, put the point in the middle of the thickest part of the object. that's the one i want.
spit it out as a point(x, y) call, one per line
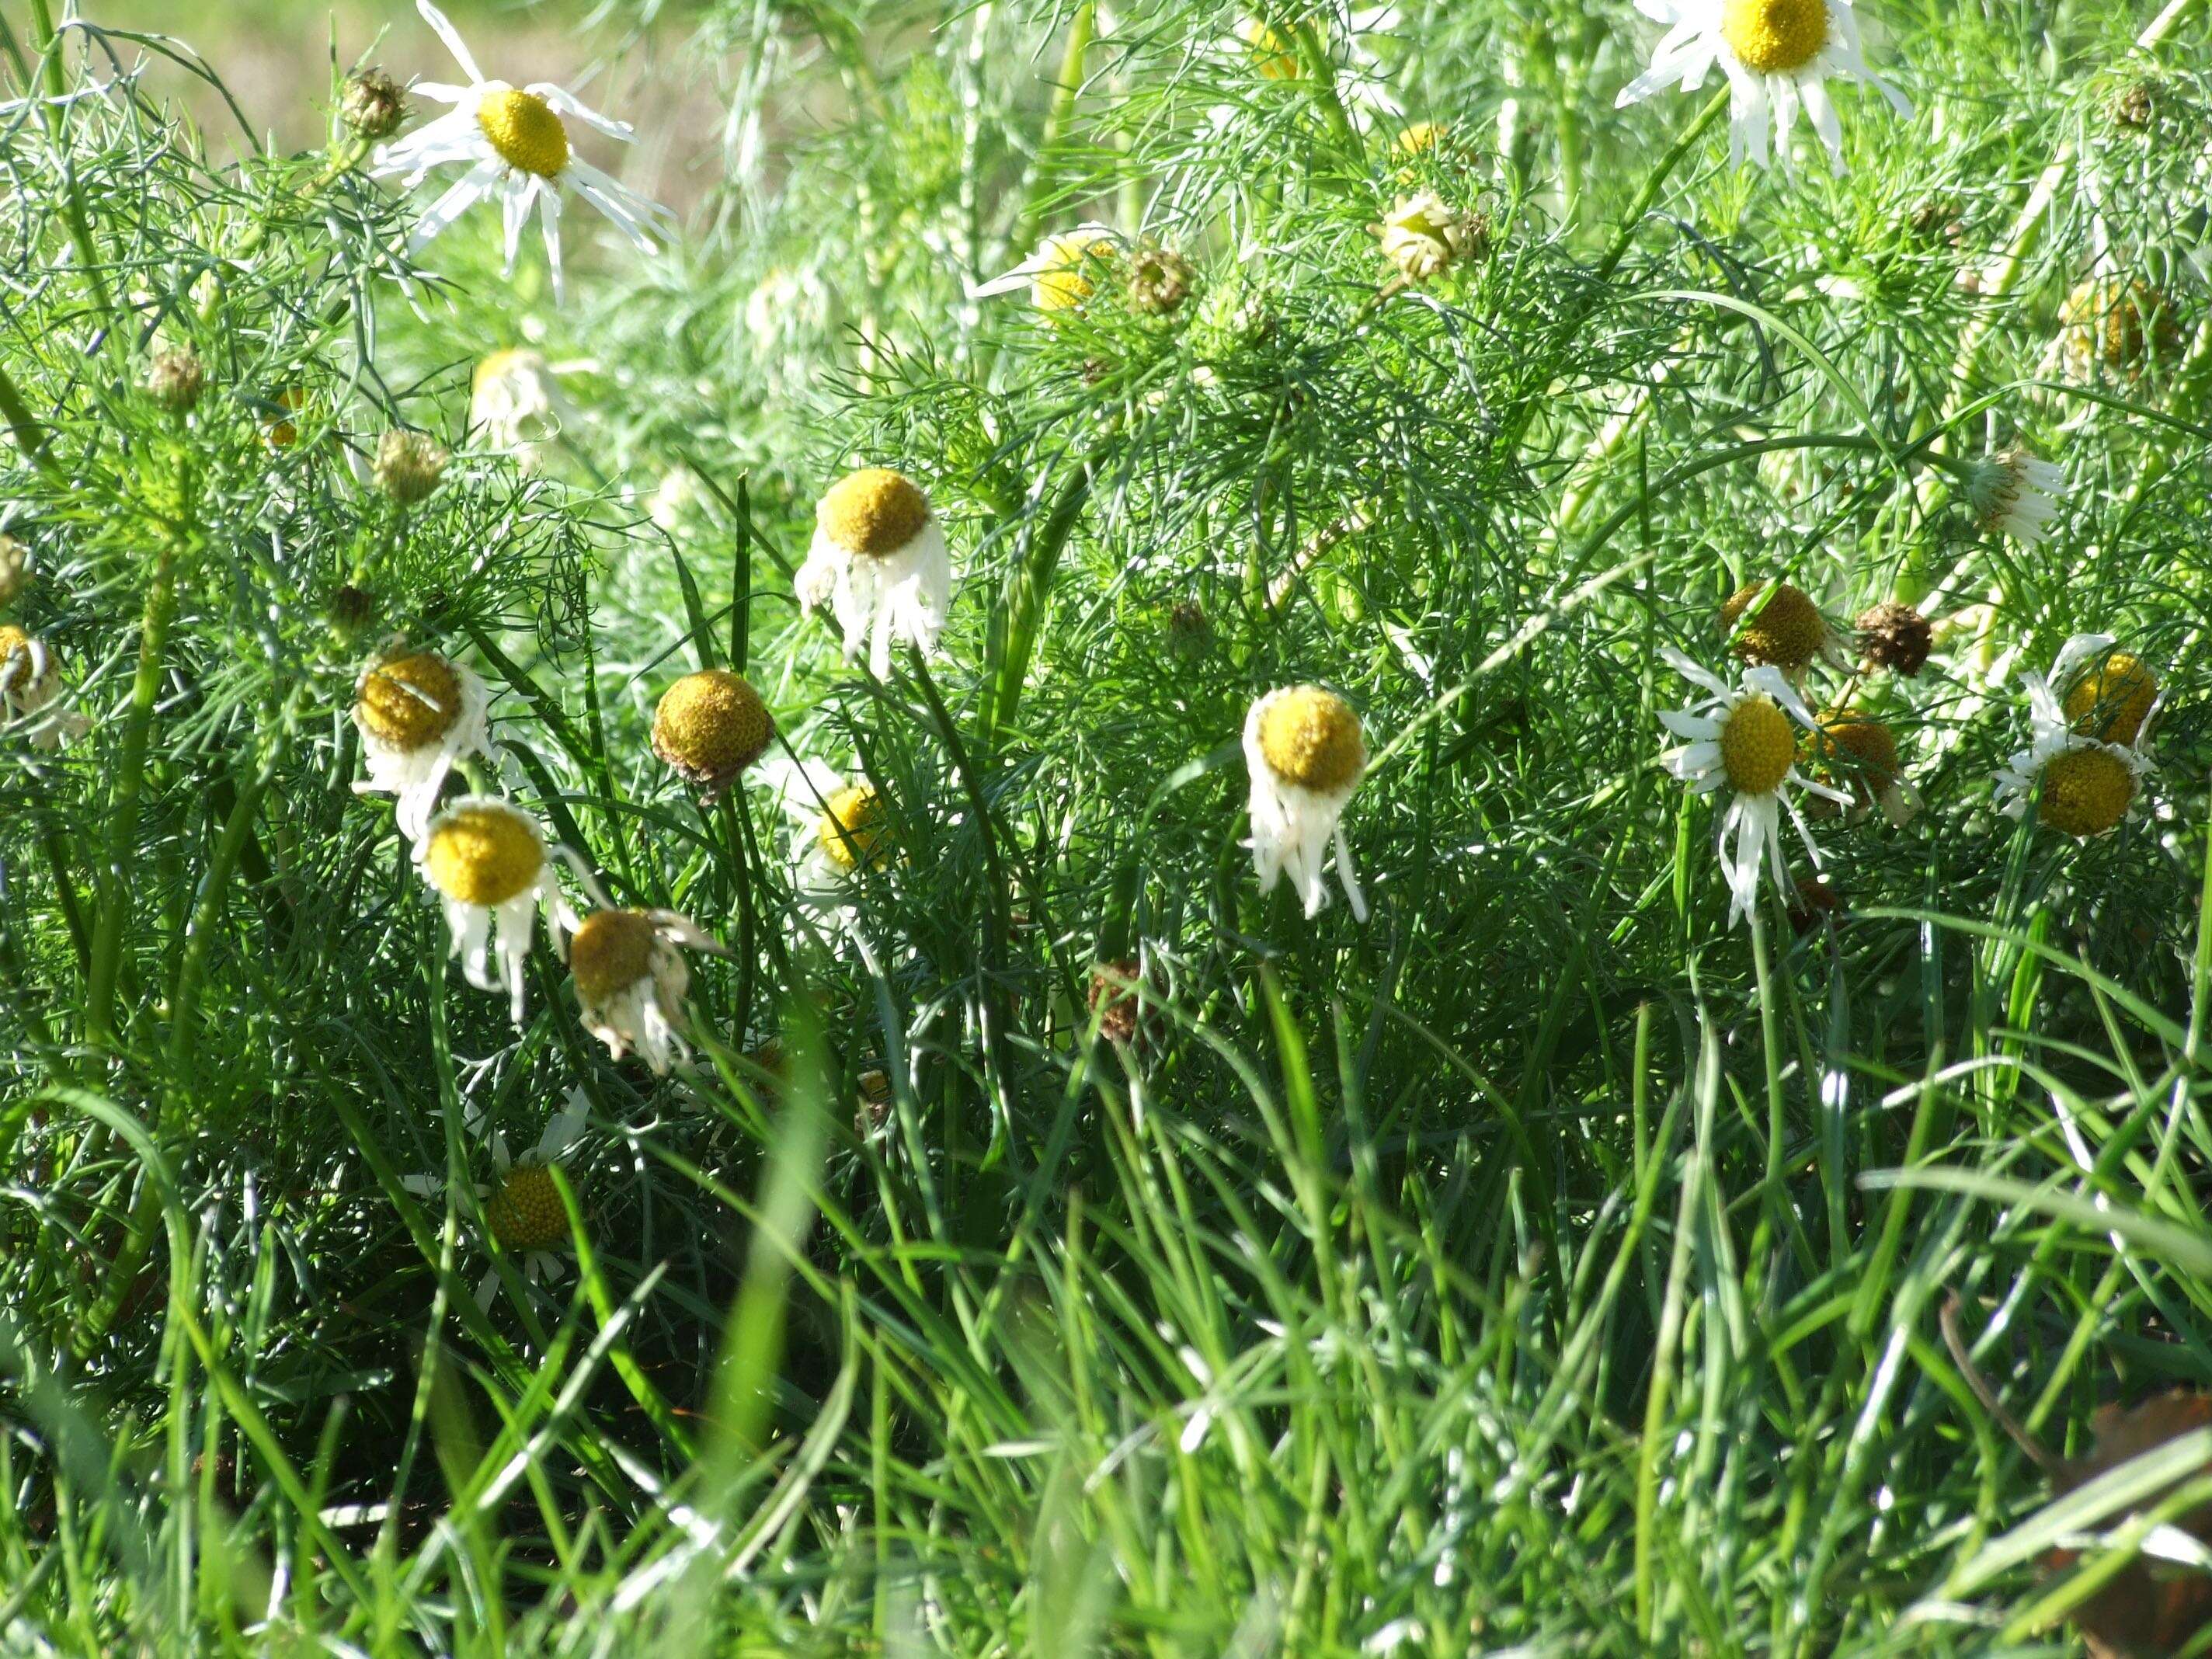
point(1786, 630)
point(525, 131)
point(524, 1212)
point(1068, 269)
point(1420, 138)
point(710, 726)
point(1275, 53)
point(409, 702)
point(483, 855)
point(18, 661)
point(1774, 37)
point(853, 826)
point(1311, 738)
point(2118, 323)
point(874, 511)
point(1757, 747)
point(2086, 792)
point(2109, 702)
point(1856, 752)
point(281, 431)
point(611, 951)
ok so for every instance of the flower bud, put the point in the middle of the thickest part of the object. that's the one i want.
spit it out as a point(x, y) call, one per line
point(409, 465)
point(175, 379)
point(372, 105)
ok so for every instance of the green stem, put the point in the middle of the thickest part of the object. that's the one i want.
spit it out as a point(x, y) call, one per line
point(122, 825)
point(30, 436)
point(237, 830)
point(1026, 593)
point(1082, 30)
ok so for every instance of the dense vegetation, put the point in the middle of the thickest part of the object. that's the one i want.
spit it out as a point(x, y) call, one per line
point(638, 1015)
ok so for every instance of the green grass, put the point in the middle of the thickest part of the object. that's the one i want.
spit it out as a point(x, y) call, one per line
point(1543, 1266)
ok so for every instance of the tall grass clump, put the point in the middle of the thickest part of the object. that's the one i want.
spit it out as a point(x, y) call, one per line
point(1298, 832)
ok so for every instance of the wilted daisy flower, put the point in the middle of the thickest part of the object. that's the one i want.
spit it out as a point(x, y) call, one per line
point(1858, 753)
point(30, 691)
point(1777, 54)
point(1424, 235)
point(489, 864)
point(630, 981)
point(417, 713)
point(2012, 494)
point(522, 1208)
point(515, 145)
point(1780, 625)
point(879, 561)
point(1305, 754)
point(1894, 636)
point(1064, 271)
point(2085, 761)
point(2115, 325)
point(709, 727)
point(515, 403)
point(1739, 738)
point(841, 826)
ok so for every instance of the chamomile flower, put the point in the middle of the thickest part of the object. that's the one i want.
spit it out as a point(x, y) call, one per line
point(1424, 235)
point(515, 142)
point(1779, 625)
point(1777, 54)
point(488, 863)
point(709, 727)
point(878, 562)
point(2014, 493)
point(1303, 749)
point(2113, 326)
point(1740, 738)
point(630, 980)
point(522, 1208)
point(2084, 762)
point(417, 713)
point(31, 691)
point(841, 826)
point(515, 403)
point(1857, 752)
point(1064, 271)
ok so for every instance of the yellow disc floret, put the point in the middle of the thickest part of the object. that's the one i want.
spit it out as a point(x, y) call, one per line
point(1774, 37)
point(852, 825)
point(408, 703)
point(2086, 791)
point(1856, 752)
point(2109, 702)
point(19, 660)
point(1067, 269)
point(711, 725)
point(1274, 53)
point(1785, 629)
point(1311, 738)
point(1757, 746)
point(2117, 323)
point(874, 511)
point(483, 854)
point(611, 951)
point(522, 128)
point(524, 1212)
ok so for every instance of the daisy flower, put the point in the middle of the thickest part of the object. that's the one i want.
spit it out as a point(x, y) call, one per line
point(522, 1208)
point(1063, 272)
point(515, 403)
point(1777, 54)
point(630, 981)
point(1780, 625)
point(2014, 493)
point(1858, 753)
point(417, 713)
point(840, 826)
point(709, 727)
point(2084, 762)
point(515, 142)
point(31, 690)
point(488, 863)
point(878, 563)
point(1739, 738)
point(1303, 749)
